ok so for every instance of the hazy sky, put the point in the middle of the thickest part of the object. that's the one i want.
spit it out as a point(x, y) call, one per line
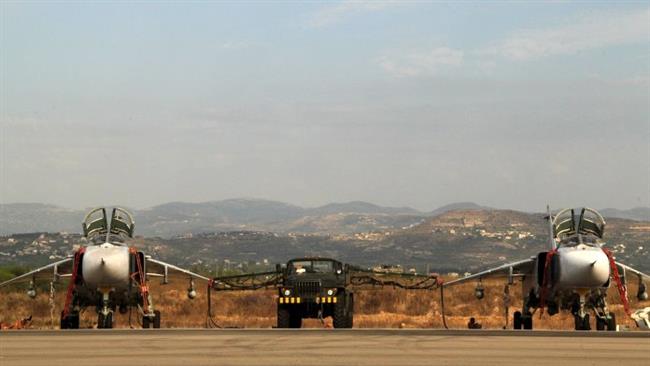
point(418, 104)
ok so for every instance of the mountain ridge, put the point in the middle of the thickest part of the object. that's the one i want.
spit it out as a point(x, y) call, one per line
point(178, 218)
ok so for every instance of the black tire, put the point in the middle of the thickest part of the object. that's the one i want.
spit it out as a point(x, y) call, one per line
point(146, 322)
point(577, 322)
point(582, 323)
point(105, 322)
point(340, 319)
point(527, 322)
point(156, 319)
point(284, 317)
point(585, 323)
point(601, 323)
point(65, 324)
point(611, 322)
point(516, 320)
point(351, 312)
point(295, 321)
point(73, 321)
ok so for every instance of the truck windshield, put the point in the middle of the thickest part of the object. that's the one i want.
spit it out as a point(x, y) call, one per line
point(300, 267)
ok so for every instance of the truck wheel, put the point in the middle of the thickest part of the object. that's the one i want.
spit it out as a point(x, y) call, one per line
point(284, 317)
point(351, 313)
point(340, 319)
point(295, 321)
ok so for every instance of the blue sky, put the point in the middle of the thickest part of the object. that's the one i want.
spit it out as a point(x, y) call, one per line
point(399, 103)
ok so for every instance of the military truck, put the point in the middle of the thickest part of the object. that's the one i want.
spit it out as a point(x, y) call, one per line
point(315, 288)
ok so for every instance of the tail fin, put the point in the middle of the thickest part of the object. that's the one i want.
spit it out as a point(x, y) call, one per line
point(551, 231)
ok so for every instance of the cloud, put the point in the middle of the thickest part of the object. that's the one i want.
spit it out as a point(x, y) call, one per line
point(422, 63)
point(335, 13)
point(596, 30)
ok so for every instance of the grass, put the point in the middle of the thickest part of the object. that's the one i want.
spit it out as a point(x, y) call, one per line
point(374, 308)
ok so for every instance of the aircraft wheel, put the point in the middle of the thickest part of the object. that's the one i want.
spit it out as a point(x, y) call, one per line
point(611, 322)
point(284, 317)
point(527, 322)
point(146, 322)
point(71, 321)
point(517, 320)
point(601, 323)
point(582, 323)
point(105, 322)
point(156, 319)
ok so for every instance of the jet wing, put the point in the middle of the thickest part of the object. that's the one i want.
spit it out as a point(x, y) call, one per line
point(52, 271)
point(523, 267)
point(156, 268)
point(636, 272)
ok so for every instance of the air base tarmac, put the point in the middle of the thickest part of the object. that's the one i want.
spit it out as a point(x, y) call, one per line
point(321, 347)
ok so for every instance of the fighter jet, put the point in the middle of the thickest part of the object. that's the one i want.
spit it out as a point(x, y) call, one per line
point(107, 274)
point(573, 275)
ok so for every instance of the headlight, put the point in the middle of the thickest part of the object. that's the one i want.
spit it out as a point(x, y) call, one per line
point(330, 292)
point(287, 292)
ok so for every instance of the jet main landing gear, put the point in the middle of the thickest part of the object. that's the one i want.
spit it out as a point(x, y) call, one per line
point(71, 321)
point(522, 320)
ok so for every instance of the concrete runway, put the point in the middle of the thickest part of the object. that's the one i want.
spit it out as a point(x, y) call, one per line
point(321, 347)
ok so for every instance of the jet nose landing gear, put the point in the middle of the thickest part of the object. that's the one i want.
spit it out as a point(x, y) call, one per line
point(148, 320)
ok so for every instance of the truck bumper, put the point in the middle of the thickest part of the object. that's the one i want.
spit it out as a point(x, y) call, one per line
point(297, 300)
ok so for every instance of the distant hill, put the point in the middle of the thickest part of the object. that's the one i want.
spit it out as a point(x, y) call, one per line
point(637, 213)
point(177, 218)
point(457, 206)
point(361, 207)
point(489, 219)
point(35, 217)
point(249, 214)
point(456, 241)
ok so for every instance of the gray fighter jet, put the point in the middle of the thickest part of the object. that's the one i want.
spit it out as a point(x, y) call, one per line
point(572, 275)
point(107, 274)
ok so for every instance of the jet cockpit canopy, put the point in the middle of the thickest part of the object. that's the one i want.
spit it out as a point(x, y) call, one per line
point(586, 228)
point(96, 225)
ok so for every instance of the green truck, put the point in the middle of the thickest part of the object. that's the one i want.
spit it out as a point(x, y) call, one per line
point(315, 288)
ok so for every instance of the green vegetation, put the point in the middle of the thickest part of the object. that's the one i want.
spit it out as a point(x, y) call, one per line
point(8, 272)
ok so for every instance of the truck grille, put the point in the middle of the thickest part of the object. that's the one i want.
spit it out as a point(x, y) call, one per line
point(308, 288)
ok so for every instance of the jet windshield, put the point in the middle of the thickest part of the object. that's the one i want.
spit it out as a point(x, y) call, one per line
point(97, 228)
point(570, 228)
point(311, 266)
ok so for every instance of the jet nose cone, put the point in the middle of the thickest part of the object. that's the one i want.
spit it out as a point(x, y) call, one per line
point(584, 268)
